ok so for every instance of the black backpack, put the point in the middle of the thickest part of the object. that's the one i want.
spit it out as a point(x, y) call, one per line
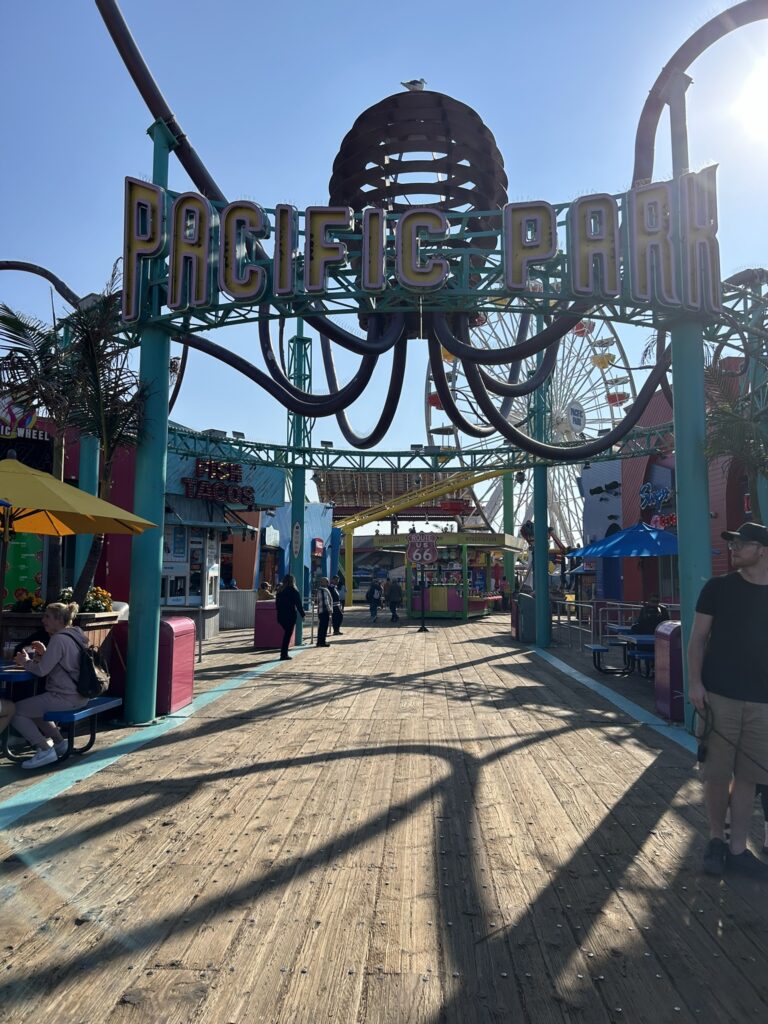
point(93, 677)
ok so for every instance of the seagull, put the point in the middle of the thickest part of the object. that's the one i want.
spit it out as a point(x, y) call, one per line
point(415, 85)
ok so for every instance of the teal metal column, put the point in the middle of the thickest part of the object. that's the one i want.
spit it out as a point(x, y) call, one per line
point(298, 484)
point(299, 439)
point(691, 483)
point(149, 495)
point(541, 521)
point(508, 498)
point(88, 481)
point(465, 576)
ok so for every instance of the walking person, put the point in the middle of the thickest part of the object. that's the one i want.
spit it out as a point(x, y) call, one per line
point(373, 597)
point(59, 662)
point(728, 686)
point(324, 608)
point(288, 606)
point(395, 599)
point(337, 615)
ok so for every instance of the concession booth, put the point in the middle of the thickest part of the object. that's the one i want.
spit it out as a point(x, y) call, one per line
point(461, 584)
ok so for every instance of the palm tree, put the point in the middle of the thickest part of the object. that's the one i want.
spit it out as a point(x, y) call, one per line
point(79, 371)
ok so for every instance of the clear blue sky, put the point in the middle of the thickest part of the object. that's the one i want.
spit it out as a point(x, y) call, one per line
point(267, 91)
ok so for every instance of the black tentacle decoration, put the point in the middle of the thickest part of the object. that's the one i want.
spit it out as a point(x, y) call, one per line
point(526, 387)
point(391, 401)
point(559, 453)
point(155, 101)
point(313, 406)
point(375, 343)
point(390, 334)
point(510, 353)
point(725, 22)
point(33, 268)
point(446, 398)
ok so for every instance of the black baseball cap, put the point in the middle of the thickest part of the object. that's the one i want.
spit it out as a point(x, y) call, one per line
point(748, 531)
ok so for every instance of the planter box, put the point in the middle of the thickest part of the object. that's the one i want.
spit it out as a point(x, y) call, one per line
point(18, 625)
point(96, 625)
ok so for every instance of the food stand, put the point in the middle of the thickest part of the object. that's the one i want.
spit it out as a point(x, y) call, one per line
point(459, 585)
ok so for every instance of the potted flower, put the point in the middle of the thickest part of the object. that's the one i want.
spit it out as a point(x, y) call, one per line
point(27, 603)
point(24, 615)
point(95, 617)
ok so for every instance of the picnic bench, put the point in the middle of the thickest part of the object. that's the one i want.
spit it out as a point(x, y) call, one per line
point(67, 721)
point(598, 650)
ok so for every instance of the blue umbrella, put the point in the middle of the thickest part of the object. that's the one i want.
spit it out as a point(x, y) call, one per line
point(639, 541)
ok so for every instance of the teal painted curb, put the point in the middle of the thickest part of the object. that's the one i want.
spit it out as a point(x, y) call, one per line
point(670, 730)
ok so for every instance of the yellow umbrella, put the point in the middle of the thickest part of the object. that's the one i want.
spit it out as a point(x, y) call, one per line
point(35, 502)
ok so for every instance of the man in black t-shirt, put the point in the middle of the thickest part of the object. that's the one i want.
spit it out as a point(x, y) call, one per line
point(728, 686)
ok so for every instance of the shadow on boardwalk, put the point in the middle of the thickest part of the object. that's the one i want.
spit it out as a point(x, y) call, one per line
point(532, 958)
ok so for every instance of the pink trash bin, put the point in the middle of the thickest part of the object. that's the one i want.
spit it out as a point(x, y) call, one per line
point(175, 663)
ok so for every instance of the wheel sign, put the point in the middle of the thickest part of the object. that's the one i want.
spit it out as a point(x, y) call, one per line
point(422, 549)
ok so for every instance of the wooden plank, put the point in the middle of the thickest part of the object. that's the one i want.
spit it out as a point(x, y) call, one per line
point(265, 960)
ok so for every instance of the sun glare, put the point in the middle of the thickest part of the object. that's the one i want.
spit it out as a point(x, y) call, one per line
point(751, 106)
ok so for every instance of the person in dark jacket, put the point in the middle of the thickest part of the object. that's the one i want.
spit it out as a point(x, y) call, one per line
point(337, 615)
point(324, 609)
point(288, 605)
point(395, 599)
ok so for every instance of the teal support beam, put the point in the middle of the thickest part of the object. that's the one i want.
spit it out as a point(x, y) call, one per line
point(508, 498)
point(149, 495)
point(300, 440)
point(541, 520)
point(88, 481)
point(298, 486)
point(692, 483)
point(465, 577)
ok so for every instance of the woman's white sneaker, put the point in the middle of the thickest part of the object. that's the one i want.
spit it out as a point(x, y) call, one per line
point(43, 757)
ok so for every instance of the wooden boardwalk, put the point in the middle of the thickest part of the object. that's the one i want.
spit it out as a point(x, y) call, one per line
point(402, 828)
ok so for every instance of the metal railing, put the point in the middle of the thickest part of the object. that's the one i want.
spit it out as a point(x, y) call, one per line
point(573, 620)
point(622, 613)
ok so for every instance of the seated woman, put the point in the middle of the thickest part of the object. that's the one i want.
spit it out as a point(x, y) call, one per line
point(264, 593)
point(60, 663)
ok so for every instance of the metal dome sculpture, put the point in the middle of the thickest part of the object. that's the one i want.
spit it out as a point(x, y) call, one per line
point(424, 149)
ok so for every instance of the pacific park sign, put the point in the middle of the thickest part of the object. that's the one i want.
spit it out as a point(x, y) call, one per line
point(654, 245)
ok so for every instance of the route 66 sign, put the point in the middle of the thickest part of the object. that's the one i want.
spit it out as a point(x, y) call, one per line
point(422, 549)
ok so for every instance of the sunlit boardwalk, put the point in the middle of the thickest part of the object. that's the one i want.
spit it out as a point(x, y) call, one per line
point(402, 828)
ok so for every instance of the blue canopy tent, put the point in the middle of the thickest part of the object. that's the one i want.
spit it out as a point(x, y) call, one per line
point(638, 541)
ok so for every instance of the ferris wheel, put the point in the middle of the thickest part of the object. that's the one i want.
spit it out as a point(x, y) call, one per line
point(591, 384)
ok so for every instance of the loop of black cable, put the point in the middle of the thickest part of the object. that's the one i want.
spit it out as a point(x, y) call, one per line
point(364, 371)
point(312, 406)
point(377, 341)
point(510, 353)
point(542, 374)
point(396, 380)
point(648, 123)
point(446, 398)
point(560, 453)
point(158, 107)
